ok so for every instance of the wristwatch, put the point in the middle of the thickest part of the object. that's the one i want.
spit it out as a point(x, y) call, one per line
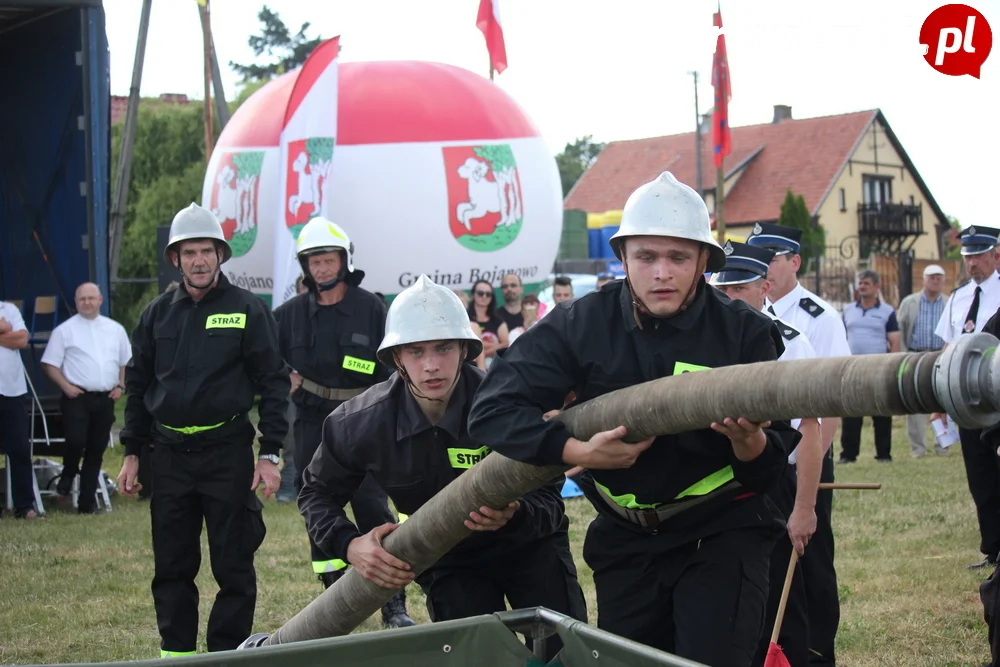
point(273, 458)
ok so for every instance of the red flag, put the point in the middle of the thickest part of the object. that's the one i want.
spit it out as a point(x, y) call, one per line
point(721, 138)
point(488, 22)
point(775, 658)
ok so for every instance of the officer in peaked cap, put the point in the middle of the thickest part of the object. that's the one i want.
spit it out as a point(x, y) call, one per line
point(968, 310)
point(823, 326)
point(745, 278)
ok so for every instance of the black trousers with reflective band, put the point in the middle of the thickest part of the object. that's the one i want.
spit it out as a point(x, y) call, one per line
point(538, 574)
point(703, 600)
point(370, 503)
point(794, 634)
point(88, 419)
point(210, 485)
point(820, 576)
point(982, 469)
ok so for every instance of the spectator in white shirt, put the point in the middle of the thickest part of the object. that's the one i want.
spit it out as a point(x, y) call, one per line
point(86, 357)
point(13, 415)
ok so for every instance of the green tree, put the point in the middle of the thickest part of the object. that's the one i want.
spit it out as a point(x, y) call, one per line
point(795, 213)
point(276, 41)
point(952, 250)
point(575, 159)
point(168, 168)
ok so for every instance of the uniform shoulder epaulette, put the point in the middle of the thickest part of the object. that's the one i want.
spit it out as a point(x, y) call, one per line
point(787, 332)
point(810, 306)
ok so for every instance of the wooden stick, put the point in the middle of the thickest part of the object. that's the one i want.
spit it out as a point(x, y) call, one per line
point(849, 485)
point(784, 596)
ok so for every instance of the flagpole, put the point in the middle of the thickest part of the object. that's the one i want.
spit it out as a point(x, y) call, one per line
point(720, 198)
point(697, 136)
point(491, 70)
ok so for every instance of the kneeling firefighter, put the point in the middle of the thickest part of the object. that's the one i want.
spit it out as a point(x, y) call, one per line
point(328, 336)
point(411, 432)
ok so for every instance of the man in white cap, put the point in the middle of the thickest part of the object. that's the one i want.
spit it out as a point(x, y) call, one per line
point(918, 315)
point(681, 545)
point(969, 308)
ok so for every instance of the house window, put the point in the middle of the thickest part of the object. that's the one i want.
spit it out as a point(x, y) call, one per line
point(877, 190)
point(913, 202)
point(842, 199)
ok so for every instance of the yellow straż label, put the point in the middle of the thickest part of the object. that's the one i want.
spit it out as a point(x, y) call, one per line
point(466, 458)
point(681, 367)
point(230, 321)
point(359, 365)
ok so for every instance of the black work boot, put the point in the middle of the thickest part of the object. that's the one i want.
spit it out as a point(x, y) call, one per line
point(330, 578)
point(394, 612)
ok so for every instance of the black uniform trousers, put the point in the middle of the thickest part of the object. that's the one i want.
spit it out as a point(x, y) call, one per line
point(197, 481)
point(87, 421)
point(982, 469)
point(14, 436)
point(370, 503)
point(539, 574)
point(850, 437)
point(820, 575)
point(701, 600)
point(794, 634)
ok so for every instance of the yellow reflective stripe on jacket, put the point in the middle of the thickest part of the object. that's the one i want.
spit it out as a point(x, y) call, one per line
point(359, 365)
point(403, 517)
point(190, 430)
point(683, 367)
point(700, 488)
point(709, 484)
point(466, 458)
point(176, 654)
point(323, 566)
point(226, 321)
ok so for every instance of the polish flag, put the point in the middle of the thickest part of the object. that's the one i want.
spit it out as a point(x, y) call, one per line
point(488, 22)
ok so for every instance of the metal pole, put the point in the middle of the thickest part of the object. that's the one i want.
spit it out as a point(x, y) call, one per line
point(124, 176)
point(203, 11)
point(221, 108)
point(697, 136)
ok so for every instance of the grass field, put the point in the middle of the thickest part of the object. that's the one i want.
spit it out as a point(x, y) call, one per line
point(76, 588)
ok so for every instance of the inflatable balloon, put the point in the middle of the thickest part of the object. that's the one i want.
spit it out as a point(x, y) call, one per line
point(434, 170)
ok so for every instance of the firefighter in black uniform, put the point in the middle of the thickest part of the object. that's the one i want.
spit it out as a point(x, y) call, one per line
point(410, 433)
point(199, 356)
point(328, 337)
point(681, 545)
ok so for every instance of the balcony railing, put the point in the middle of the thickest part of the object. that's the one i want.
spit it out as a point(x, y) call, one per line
point(890, 220)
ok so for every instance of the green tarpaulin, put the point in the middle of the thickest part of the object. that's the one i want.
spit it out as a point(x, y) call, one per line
point(483, 641)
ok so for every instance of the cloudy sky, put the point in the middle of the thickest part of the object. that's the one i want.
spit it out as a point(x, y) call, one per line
point(621, 69)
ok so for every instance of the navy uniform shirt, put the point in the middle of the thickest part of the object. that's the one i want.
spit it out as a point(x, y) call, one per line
point(333, 346)
point(594, 346)
point(383, 432)
point(200, 363)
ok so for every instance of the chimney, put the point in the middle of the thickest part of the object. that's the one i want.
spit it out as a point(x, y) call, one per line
point(782, 112)
point(706, 123)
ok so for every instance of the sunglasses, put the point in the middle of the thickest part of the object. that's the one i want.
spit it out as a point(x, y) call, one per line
point(482, 293)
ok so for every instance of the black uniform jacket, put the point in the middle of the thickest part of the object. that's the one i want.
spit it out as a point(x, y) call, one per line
point(341, 356)
point(384, 432)
point(594, 346)
point(200, 363)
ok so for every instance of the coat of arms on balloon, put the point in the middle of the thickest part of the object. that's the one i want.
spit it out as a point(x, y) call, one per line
point(484, 195)
point(235, 194)
point(307, 170)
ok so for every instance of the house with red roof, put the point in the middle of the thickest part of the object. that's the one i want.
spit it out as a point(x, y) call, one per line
point(851, 169)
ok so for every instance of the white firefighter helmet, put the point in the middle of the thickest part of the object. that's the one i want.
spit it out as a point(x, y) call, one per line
point(320, 235)
point(667, 207)
point(196, 222)
point(425, 311)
